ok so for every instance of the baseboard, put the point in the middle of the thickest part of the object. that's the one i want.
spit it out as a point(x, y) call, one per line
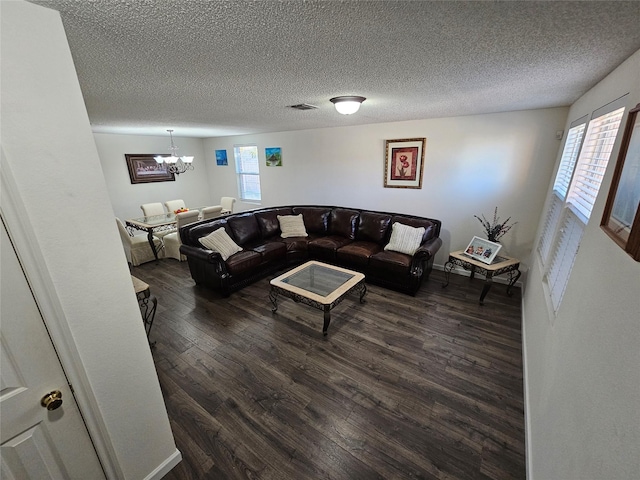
point(527, 419)
point(164, 468)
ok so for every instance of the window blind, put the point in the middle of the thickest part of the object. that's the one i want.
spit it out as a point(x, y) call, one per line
point(592, 163)
point(568, 161)
point(564, 255)
point(549, 227)
point(248, 172)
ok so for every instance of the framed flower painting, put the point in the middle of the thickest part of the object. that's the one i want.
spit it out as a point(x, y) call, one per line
point(404, 163)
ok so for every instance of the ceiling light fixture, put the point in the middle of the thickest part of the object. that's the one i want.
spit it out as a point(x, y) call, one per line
point(174, 163)
point(348, 104)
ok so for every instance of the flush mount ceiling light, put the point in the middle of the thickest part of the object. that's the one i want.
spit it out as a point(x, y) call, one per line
point(348, 104)
point(174, 163)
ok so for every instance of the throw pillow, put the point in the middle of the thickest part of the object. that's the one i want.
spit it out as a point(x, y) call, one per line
point(220, 241)
point(405, 239)
point(292, 226)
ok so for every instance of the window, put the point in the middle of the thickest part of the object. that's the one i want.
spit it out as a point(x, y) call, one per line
point(248, 172)
point(575, 190)
point(561, 185)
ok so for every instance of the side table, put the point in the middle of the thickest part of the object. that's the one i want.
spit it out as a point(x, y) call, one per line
point(500, 266)
point(147, 303)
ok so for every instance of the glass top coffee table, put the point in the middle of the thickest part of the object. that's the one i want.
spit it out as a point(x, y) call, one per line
point(318, 285)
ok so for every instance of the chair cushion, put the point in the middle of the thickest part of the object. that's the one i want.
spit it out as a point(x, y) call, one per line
point(219, 241)
point(243, 261)
point(405, 239)
point(271, 250)
point(343, 223)
point(292, 226)
point(392, 262)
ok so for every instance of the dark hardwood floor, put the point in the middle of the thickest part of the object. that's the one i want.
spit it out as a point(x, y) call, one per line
point(402, 387)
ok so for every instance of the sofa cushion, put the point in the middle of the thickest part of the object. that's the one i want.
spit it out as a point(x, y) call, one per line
point(243, 261)
point(292, 226)
point(373, 227)
point(219, 241)
point(268, 221)
point(271, 250)
point(324, 248)
point(358, 252)
point(244, 227)
point(392, 262)
point(343, 222)
point(405, 239)
point(429, 227)
point(316, 219)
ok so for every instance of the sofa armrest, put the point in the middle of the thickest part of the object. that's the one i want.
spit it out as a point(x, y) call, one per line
point(199, 253)
point(429, 249)
point(425, 253)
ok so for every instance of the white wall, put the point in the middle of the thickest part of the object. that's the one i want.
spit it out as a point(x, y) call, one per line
point(51, 166)
point(583, 365)
point(472, 165)
point(126, 198)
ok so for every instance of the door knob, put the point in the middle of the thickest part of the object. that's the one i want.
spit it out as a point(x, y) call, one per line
point(52, 400)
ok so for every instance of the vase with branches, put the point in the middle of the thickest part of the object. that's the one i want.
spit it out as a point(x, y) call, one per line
point(495, 229)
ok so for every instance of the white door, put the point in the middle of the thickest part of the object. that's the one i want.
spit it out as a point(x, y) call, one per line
point(36, 443)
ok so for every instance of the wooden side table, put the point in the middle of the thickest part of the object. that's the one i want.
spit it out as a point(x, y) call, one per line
point(500, 266)
point(147, 303)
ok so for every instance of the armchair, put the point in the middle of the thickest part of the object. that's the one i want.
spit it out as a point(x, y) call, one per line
point(172, 240)
point(136, 247)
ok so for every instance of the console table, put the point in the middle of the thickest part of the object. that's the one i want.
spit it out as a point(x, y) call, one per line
point(499, 266)
point(147, 303)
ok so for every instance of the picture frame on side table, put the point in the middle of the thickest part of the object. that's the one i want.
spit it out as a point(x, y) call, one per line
point(621, 217)
point(143, 168)
point(482, 250)
point(404, 163)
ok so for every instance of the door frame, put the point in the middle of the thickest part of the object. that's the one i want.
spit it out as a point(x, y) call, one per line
point(14, 214)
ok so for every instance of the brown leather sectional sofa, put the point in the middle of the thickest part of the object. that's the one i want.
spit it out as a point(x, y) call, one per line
point(347, 237)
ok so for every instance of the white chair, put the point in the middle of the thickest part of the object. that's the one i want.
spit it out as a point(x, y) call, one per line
point(137, 248)
point(173, 205)
point(172, 241)
point(211, 212)
point(227, 204)
point(151, 209)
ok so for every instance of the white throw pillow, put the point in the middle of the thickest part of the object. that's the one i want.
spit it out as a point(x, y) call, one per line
point(292, 226)
point(220, 241)
point(405, 239)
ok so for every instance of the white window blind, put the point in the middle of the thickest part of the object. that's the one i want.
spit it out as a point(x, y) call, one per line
point(592, 163)
point(568, 161)
point(564, 254)
point(248, 172)
point(549, 228)
point(570, 208)
point(570, 153)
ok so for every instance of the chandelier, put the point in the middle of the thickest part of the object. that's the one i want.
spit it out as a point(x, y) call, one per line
point(174, 163)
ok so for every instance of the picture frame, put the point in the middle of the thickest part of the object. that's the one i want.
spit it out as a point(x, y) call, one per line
point(143, 168)
point(404, 163)
point(621, 217)
point(273, 156)
point(221, 158)
point(482, 250)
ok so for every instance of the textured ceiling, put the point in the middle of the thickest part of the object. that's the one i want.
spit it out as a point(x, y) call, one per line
point(213, 68)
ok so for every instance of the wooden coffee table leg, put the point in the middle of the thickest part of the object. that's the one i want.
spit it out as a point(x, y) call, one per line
point(327, 320)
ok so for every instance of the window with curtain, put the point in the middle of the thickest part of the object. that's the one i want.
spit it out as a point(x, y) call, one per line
point(582, 168)
point(248, 172)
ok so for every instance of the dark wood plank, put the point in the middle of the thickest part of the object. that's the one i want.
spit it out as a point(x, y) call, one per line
point(402, 387)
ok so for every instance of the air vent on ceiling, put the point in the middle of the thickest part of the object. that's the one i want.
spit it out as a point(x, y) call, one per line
point(303, 106)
